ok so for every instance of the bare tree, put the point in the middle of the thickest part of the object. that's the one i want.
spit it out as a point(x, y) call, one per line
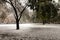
point(17, 17)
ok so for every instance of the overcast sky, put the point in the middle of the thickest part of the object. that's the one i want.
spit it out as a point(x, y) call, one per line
point(56, 1)
point(23, 2)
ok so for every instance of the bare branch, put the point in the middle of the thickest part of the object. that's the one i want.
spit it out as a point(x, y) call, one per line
point(22, 12)
point(16, 17)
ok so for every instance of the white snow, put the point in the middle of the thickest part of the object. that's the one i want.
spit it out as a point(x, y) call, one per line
point(30, 31)
point(29, 25)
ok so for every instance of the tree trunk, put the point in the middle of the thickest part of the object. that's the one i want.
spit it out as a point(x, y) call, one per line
point(44, 22)
point(17, 24)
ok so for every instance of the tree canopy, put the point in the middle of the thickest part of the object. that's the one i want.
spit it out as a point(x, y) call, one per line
point(45, 10)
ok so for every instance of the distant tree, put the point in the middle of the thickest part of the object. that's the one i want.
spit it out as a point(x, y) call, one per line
point(17, 16)
point(44, 9)
point(3, 16)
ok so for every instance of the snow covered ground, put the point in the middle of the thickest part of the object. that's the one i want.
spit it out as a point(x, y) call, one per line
point(29, 25)
point(30, 32)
